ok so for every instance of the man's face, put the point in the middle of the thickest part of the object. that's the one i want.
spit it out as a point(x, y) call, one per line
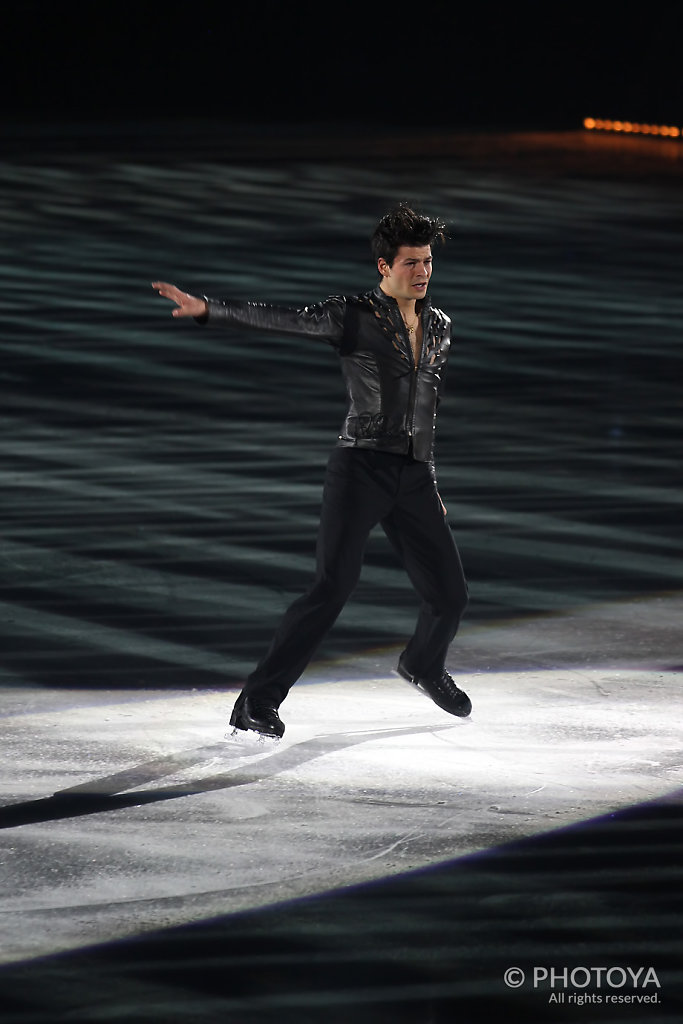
point(408, 276)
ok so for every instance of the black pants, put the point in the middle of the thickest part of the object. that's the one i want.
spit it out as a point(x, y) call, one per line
point(363, 488)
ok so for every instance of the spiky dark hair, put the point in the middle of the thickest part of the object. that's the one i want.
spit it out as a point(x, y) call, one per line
point(404, 226)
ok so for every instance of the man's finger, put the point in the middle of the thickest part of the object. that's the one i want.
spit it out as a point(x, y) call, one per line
point(169, 291)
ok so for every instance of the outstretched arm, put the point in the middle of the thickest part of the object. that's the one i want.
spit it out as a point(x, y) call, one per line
point(187, 305)
point(323, 320)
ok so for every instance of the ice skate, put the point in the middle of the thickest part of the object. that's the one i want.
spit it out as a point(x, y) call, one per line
point(443, 691)
point(251, 715)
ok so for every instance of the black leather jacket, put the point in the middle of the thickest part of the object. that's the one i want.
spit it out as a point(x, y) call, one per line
point(392, 402)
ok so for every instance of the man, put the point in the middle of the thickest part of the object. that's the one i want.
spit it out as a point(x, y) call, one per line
point(393, 346)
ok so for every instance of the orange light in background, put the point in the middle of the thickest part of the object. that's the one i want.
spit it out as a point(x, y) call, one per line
point(632, 127)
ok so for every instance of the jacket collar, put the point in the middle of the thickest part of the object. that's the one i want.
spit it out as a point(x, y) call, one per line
point(390, 302)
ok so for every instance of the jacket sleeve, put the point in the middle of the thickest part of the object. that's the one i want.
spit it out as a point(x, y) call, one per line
point(323, 321)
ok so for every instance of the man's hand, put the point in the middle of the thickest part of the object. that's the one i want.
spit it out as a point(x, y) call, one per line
point(188, 305)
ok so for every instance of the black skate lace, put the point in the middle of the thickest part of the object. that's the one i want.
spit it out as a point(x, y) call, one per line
point(447, 684)
point(266, 710)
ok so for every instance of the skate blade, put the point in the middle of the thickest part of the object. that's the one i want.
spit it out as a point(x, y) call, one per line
point(252, 740)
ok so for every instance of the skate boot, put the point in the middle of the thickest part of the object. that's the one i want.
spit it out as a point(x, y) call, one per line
point(443, 691)
point(257, 715)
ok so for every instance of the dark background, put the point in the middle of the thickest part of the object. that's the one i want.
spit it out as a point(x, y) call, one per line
point(458, 66)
